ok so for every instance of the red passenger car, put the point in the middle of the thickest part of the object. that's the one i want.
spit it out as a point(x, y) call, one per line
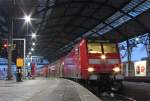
point(93, 60)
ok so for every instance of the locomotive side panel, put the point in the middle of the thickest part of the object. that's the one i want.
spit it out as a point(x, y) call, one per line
point(71, 64)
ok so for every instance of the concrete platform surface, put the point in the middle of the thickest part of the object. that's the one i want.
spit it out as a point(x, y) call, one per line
point(137, 90)
point(42, 89)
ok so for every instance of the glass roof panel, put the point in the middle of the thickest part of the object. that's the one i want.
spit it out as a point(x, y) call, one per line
point(86, 34)
point(119, 18)
point(120, 21)
point(114, 17)
point(131, 5)
point(104, 30)
point(101, 25)
point(140, 9)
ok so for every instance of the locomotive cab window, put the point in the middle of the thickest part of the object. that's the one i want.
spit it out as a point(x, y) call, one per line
point(94, 48)
point(109, 48)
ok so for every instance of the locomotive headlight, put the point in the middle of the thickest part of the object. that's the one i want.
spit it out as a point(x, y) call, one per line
point(103, 56)
point(90, 69)
point(116, 69)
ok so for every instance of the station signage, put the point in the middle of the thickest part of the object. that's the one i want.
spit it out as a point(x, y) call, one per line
point(20, 62)
point(140, 68)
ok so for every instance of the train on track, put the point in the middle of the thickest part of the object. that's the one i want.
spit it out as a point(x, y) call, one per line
point(93, 61)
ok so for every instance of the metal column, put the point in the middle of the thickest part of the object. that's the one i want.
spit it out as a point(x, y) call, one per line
point(129, 58)
point(9, 69)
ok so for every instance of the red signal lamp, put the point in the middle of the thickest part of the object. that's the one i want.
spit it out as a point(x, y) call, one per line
point(5, 45)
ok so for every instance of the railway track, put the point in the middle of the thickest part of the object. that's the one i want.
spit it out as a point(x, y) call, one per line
point(116, 97)
point(109, 96)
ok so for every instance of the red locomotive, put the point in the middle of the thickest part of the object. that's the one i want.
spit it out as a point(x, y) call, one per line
point(94, 60)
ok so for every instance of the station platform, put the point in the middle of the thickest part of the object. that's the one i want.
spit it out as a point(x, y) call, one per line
point(137, 90)
point(42, 89)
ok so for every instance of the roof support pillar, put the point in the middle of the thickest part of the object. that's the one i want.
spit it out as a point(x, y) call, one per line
point(129, 58)
point(149, 45)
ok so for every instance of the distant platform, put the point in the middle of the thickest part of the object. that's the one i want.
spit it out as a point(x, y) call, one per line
point(42, 89)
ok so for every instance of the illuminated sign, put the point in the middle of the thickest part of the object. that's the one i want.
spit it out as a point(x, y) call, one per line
point(20, 62)
point(140, 68)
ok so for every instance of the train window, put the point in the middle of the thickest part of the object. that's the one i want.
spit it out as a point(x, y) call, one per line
point(94, 61)
point(94, 48)
point(109, 48)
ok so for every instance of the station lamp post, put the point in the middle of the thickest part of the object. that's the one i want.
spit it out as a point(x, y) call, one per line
point(9, 69)
point(27, 20)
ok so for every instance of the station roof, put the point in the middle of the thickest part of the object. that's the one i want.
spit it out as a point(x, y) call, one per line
point(60, 24)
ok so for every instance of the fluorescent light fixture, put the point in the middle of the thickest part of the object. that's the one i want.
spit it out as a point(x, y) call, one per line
point(33, 43)
point(137, 39)
point(33, 35)
point(30, 53)
point(32, 49)
point(28, 63)
point(27, 18)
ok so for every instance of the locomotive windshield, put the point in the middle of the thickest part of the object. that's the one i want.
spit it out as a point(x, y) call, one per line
point(109, 48)
point(94, 48)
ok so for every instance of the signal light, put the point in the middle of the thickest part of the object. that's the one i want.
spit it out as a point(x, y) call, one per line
point(5, 45)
